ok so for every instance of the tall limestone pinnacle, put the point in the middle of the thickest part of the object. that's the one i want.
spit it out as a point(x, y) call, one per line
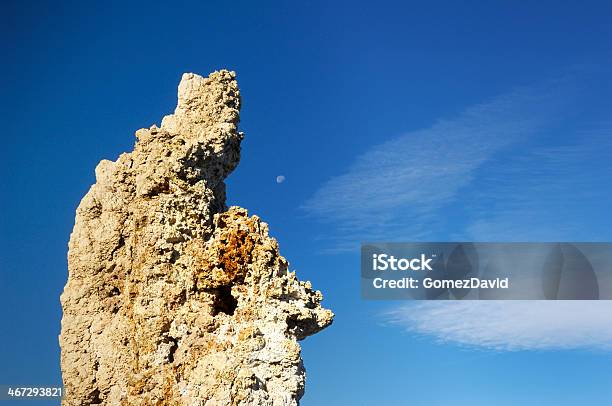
point(172, 297)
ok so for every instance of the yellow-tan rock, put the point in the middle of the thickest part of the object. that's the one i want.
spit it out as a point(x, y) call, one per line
point(172, 298)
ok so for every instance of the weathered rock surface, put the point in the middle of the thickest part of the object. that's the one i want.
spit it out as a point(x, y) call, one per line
point(172, 298)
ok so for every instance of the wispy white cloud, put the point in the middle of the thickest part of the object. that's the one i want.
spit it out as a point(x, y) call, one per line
point(512, 325)
point(396, 189)
point(546, 193)
point(502, 164)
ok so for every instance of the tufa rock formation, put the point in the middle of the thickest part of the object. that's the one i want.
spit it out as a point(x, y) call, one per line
point(172, 298)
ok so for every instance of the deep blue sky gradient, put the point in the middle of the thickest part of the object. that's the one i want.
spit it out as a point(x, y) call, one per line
point(321, 83)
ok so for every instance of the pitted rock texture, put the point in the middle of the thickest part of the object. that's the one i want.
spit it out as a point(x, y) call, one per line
point(172, 298)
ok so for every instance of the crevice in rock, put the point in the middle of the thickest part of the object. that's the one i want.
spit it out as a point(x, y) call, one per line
point(172, 351)
point(94, 397)
point(224, 302)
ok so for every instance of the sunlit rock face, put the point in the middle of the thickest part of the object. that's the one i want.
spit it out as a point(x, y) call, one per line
point(172, 298)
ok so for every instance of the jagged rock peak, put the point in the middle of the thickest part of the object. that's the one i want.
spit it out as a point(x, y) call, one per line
point(172, 298)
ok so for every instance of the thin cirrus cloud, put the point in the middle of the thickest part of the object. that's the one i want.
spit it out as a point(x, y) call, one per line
point(511, 325)
point(402, 190)
point(398, 188)
point(551, 193)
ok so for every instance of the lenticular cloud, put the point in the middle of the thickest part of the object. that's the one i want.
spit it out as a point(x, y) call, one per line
point(512, 325)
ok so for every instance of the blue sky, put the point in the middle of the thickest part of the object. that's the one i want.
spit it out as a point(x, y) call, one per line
point(484, 121)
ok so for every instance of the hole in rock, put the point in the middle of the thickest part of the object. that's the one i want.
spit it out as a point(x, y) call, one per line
point(94, 397)
point(224, 301)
